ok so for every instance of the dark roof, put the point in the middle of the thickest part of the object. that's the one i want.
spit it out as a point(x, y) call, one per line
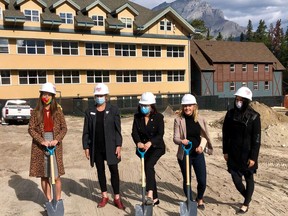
point(234, 52)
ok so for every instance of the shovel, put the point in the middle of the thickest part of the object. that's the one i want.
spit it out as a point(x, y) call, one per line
point(188, 208)
point(54, 208)
point(143, 210)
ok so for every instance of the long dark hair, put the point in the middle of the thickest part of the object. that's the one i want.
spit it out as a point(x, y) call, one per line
point(152, 111)
point(40, 107)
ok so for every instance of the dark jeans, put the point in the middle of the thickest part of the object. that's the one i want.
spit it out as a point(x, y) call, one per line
point(249, 178)
point(199, 166)
point(100, 157)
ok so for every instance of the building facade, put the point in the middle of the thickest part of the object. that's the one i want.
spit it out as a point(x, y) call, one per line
point(76, 44)
point(219, 68)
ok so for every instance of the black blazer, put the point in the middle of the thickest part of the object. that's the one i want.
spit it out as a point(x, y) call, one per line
point(153, 132)
point(112, 132)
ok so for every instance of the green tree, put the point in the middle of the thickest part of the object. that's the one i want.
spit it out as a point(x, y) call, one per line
point(200, 28)
point(261, 34)
point(219, 37)
point(249, 33)
point(242, 37)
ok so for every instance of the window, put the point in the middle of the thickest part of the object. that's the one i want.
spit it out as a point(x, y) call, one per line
point(255, 86)
point(165, 25)
point(151, 51)
point(96, 49)
point(1, 13)
point(232, 86)
point(175, 51)
point(5, 77)
point(4, 43)
point(232, 67)
point(266, 85)
point(98, 20)
point(255, 67)
point(66, 18)
point(125, 50)
point(127, 22)
point(175, 99)
point(176, 76)
point(127, 101)
point(32, 15)
point(97, 76)
point(152, 76)
point(266, 68)
point(31, 46)
point(67, 77)
point(244, 67)
point(65, 48)
point(126, 76)
point(32, 77)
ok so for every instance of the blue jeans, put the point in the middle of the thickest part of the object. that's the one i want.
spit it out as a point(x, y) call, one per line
point(199, 166)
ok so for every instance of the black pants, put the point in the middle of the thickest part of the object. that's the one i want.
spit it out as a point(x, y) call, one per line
point(150, 160)
point(100, 157)
point(249, 178)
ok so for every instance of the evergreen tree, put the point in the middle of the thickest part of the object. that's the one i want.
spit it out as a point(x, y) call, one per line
point(242, 37)
point(249, 33)
point(277, 39)
point(230, 38)
point(261, 33)
point(219, 37)
point(200, 28)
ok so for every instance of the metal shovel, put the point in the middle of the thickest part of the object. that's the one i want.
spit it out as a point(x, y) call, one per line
point(143, 210)
point(54, 208)
point(188, 208)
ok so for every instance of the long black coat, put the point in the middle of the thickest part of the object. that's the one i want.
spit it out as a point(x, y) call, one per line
point(241, 138)
point(153, 131)
point(112, 133)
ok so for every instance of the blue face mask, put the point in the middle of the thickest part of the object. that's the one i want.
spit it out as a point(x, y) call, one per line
point(100, 100)
point(145, 109)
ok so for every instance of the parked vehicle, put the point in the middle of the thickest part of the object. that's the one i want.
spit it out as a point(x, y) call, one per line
point(16, 111)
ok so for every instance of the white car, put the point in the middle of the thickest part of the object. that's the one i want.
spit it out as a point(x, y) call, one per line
point(16, 111)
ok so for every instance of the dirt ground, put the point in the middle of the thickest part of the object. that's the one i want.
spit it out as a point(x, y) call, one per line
point(22, 195)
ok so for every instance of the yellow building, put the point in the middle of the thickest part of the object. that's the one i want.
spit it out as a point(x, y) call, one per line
point(76, 44)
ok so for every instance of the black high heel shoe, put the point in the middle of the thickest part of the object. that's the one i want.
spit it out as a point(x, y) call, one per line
point(156, 203)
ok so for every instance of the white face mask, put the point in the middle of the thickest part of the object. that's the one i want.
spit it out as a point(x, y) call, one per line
point(239, 104)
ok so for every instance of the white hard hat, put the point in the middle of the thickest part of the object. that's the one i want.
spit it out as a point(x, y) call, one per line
point(147, 98)
point(48, 87)
point(244, 92)
point(188, 99)
point(101, 89)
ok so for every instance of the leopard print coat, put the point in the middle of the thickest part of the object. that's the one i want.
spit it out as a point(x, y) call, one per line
point(36, 130)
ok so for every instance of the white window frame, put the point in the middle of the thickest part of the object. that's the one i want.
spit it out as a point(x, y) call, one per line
point(65, 48)
point(5, 77)
point(127, 21)
point(165, 25)
point(1, 13)
point(232, 67)
point(97, 49)
point(244, 67)
point(98, 76)
point(32, 15)
point(266, 68)
point(232, 86)
point(152, 76)
point(126, 76)
point(255, 86)
point(266, 85)
point(67, 76)
point(176, 76)
point(175, 51)
point(31, 47)
point(65, 17)
point(97, 20)
point(125, 50)
point(4, 46)
point(28, 77)
point(255, 68)
point(151, 51)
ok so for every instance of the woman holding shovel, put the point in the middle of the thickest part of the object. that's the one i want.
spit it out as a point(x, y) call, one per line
point(189, 126)
point(102, 141)
point(147, 134)
point(241, 144)
point(47, 127)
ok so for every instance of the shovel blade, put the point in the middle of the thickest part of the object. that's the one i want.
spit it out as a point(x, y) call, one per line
point(188, 209)
point(55, 208)
point(143, 210)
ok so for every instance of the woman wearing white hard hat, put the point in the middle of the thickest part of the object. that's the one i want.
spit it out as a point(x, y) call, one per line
point(189, 126)
point(47, 127)
point(241, 143)
point(147, 133)
point(102, 141)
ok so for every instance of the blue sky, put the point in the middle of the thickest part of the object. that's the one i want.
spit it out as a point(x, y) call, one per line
point(240, 11)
